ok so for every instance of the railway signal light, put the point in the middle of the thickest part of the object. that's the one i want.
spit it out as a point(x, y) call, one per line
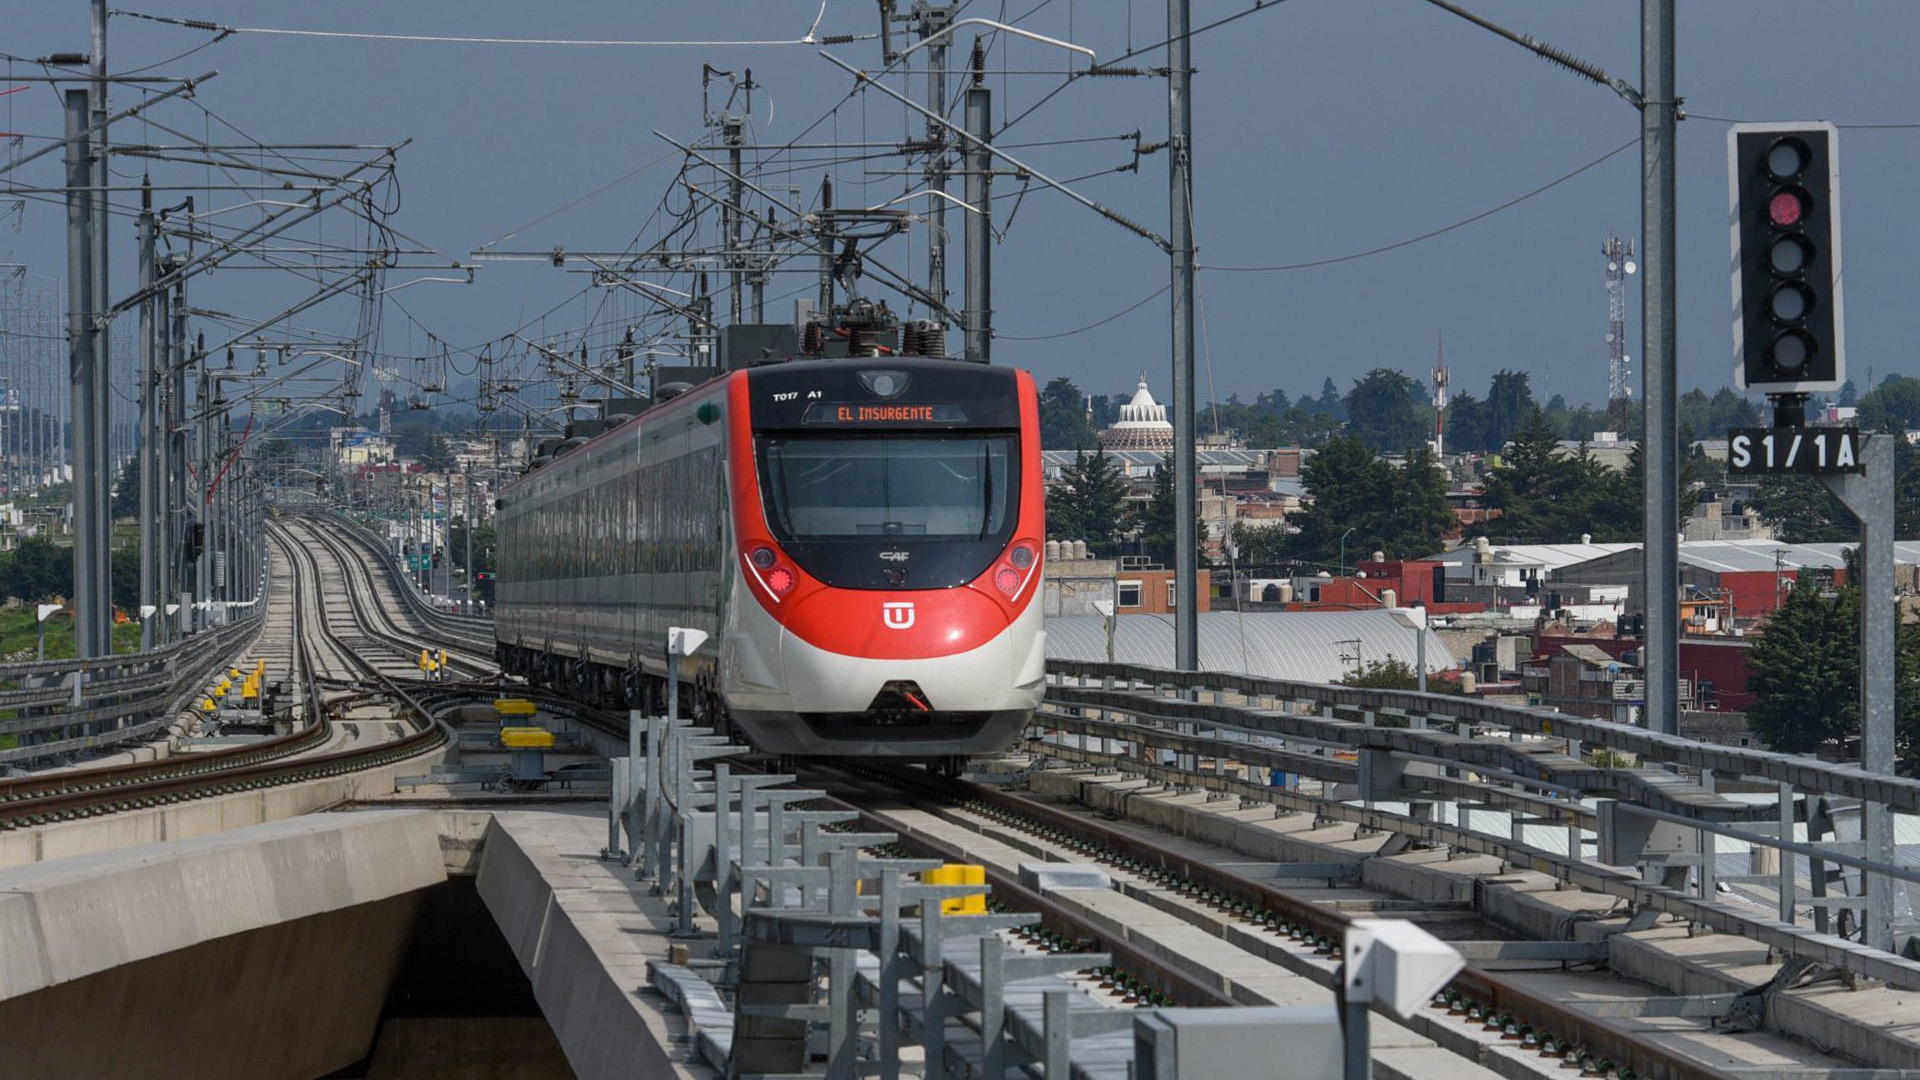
point(1784, 185)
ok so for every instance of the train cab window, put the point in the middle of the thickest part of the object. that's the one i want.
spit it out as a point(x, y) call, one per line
point(944, 487)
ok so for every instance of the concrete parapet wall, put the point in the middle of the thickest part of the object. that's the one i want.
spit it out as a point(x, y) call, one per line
point(260, 952)
point(1874, 1025)
point(583, 933)
point(65, 920)
point(200, 817)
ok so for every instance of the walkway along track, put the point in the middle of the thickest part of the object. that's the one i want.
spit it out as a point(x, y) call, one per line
point(1481, 1014)
point(275, 761)
point(1271, 923)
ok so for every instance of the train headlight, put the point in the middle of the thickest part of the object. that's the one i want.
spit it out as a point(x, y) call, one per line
point(763, 558)
point(1014, 568)
point(780, 581)
point(884, 384)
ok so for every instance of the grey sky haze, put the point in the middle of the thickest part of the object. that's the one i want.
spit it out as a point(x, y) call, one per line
point(1324, 128)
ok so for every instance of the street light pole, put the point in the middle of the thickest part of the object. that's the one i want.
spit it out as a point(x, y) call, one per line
point(1343, 549)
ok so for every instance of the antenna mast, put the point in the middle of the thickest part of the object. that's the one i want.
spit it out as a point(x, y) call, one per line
point(1620, 263)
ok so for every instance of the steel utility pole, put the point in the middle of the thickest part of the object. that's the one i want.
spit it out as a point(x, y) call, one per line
point(934, 20)
point(178, 513)
point(145, 445)
point(730, 214)
point(1658, 113)
point(100, 482)
point(978, 312)
point(1186, 533)
point(1870, 496)
point(83, 361)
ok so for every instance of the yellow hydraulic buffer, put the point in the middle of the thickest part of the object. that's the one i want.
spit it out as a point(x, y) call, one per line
point(526, 738)
point(959, 874)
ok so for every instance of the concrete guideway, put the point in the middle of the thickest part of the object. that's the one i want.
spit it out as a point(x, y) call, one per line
point(584, 932)
point(296, 926)
point(1871, 1024)
point(205, 817)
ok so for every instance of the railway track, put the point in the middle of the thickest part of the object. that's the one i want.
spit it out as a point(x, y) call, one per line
point(1522, 1012)
point(326, 632)
point(1483, 1012)
point(368, 620)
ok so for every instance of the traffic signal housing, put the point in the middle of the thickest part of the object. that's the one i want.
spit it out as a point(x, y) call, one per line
point(1788, 330)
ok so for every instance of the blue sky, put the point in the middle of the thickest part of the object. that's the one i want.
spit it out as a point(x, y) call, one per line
point(1324, 128)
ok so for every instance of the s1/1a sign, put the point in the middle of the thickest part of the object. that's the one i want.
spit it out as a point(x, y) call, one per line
point(1760, 451)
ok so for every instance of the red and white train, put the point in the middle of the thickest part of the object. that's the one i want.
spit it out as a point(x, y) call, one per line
point(860, 538)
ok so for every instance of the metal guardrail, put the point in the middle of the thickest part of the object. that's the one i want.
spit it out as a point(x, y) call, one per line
point(899, 965)
point(146, 688)
point(1805, 774)
point(1652, 833)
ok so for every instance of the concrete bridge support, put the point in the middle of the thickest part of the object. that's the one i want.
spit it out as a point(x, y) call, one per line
point(262, 952)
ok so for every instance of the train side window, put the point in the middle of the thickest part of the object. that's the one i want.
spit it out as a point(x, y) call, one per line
point(1129, 594)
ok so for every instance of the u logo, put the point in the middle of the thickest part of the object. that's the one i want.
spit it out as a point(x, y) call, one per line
point(897, 615)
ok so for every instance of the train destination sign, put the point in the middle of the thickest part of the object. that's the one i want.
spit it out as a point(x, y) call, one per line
point(859, 413)
point(1761, 451)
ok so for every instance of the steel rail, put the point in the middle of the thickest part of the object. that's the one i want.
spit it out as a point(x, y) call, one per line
point(1900, 792)
point(68, 796)
point(1303, 919)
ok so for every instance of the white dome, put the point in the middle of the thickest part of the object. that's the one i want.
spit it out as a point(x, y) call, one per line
point(1143, 411)
point(1143, 424)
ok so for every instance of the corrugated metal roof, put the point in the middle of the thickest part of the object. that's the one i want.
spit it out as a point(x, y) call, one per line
point(1246, 459)
point(1743, 556)
point(1302, 645)
point(1719, 556)
point(1550, 556)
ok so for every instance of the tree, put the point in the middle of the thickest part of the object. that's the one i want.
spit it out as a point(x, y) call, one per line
point(1348, 487)
point(1510, 406)
point(1420, 517)
point(1546, 495)
point(125, 562)
point(1153, 520)
point(1802, 511)
point(1329, 401)
point(1468, 424)
point(1805, 675)
point(1893, 406)
point(1384, 411)
point(37, 570)
point(1088, 502)
point(1805, 672)
point(1063, 417)
point(1730, 409)
point(1849, 394)
point(126, 490)
point(1394, 673)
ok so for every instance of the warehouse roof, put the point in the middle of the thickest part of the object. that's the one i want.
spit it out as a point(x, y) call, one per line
point(1306, 646)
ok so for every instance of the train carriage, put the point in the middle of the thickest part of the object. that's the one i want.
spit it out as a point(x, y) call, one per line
point(861, 539)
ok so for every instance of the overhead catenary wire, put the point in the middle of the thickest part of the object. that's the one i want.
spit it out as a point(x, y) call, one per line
point(1128, 310)
point(463, 39)
point(1431, 233)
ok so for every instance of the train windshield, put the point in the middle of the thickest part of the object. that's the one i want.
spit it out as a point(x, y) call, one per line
point(934, 487)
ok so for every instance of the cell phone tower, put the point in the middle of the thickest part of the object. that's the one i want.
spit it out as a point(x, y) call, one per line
point(1620, 263)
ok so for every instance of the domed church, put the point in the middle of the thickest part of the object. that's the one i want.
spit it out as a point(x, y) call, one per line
point(1143, 424)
